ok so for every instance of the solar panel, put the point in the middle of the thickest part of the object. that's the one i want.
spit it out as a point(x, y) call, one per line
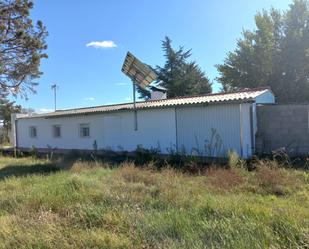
point(140, 73)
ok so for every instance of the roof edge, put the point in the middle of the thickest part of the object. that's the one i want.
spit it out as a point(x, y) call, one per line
point(171, 102)
point(179, 97)
point(144, 108)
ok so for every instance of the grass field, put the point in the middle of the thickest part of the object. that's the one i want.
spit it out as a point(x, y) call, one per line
point(91, 205)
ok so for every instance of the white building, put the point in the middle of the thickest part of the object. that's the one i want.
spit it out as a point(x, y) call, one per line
point(207, 125)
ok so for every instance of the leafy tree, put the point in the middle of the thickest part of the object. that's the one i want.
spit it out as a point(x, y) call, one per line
point(276, 54)
point(22, 46)
point(178, 76)
point(6, 109)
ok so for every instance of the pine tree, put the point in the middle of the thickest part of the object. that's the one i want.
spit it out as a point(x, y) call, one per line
point(22, 46)
point(178, 76)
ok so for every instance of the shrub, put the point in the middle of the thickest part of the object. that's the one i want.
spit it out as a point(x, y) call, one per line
point(266, 163)
point(175, 157)
point(33, 152)
point(282, 158)
point(234, 161)
point(143, 156)
point(192, 165)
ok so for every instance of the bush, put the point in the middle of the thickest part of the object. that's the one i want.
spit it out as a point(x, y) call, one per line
point(143, 156)
point(234, 161)
point(33, 152)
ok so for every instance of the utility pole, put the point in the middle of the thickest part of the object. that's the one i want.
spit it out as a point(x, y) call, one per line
point(54, 87)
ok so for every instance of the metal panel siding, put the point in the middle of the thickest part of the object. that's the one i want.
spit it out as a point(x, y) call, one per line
point(246, 130)
point(113, 131)
point(194, 125)
point(156, 128)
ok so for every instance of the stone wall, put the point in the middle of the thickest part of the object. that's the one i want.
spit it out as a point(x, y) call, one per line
point(283, 127)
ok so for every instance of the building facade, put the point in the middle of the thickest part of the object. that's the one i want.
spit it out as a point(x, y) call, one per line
point(207, 125)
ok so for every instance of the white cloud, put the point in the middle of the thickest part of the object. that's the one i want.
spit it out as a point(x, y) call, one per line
point(89, 99)
point(128, 99)
point(44, 110)
point(102, 44)
point(122, 84)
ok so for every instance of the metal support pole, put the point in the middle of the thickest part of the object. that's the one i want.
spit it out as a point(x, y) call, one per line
point(54, 87)
point(134, 106)
point(241, 132)
point(55, 97)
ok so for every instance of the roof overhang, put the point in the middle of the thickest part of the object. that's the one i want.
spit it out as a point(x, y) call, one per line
point(244, 96)
point(45, 116)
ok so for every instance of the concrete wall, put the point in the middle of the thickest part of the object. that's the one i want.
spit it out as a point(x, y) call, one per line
point(283, 126)
point(111, 131)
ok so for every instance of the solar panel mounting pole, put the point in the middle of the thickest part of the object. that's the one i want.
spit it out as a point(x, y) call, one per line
point(134, 106)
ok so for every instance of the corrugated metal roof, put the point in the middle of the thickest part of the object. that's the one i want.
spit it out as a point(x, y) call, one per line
point(241, 96)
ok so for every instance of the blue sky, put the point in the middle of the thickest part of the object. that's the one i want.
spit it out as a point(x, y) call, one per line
point(90, 75)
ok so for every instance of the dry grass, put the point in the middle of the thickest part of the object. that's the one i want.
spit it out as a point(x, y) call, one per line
point(93, 205)
point(80, 166)
point(224, 179)
point(275, 181)
point(132, 174)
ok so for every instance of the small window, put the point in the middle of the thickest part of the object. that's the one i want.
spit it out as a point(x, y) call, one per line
point(33, 132)
point(84, 130)
point(56, 131)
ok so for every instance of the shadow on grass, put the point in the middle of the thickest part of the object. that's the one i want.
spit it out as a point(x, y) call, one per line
point(20, 170)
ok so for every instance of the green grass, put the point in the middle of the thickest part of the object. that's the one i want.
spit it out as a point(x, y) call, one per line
point(88, 205)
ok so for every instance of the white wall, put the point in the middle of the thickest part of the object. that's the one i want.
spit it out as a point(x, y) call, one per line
point(195, 126)
point(156, 127)
point(247, 144)
point(265, 98)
